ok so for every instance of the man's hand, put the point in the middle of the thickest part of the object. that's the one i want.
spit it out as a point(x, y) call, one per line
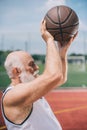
point(45, 34)
point(64, 48)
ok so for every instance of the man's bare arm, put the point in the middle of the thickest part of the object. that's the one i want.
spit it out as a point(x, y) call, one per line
point(27, 93)
point(63, 49)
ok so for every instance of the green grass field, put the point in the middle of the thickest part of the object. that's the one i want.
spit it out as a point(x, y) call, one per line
point(75, 78)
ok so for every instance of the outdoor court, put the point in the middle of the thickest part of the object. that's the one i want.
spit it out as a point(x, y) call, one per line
point(69, 106)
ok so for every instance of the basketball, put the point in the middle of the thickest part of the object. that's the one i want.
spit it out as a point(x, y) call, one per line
point(62, 22)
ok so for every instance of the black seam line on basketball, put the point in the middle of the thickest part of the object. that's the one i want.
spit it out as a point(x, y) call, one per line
point(60, 24)
point(64, 20)
point(67, 17)
point(64, 33)
point(68, 33)
point(63, 27)
point(56, 23)
point(75, 24)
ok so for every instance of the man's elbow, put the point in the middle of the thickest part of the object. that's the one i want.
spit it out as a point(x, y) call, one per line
point(62, 81)
point(58, 77)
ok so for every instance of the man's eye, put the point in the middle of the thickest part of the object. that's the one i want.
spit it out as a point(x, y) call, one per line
point(32, 64)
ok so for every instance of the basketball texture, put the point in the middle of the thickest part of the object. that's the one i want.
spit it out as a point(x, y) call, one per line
point(62, 22)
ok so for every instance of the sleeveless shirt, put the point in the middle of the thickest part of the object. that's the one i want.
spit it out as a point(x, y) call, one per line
point(40, 118)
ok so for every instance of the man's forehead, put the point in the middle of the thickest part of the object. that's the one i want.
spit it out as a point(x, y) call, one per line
point(25, 57)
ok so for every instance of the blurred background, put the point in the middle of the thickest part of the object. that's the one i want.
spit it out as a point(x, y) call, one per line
point(20, 30)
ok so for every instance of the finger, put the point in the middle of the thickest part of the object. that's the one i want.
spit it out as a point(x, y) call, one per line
point(44, 22)
point(43, 26)
point(75, 35)
point(68, 43)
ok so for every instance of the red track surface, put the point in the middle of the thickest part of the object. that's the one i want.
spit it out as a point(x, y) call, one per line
point(2, 124)
point(69, 106)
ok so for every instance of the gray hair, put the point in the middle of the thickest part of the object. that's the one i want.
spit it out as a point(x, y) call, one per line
point(11, 62)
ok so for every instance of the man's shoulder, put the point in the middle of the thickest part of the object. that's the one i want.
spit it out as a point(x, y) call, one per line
point(6, 90)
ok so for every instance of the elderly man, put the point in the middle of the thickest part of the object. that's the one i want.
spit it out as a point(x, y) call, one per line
point(23, 104)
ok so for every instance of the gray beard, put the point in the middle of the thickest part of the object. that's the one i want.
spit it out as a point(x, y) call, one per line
point(24, 77)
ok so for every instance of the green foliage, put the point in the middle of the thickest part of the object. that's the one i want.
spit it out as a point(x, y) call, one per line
point(2, 69)
point(41, 68)
point(4, 81)
point(3, 55)
point(38, 57)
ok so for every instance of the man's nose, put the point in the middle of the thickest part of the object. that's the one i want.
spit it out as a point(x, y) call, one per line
point(36, 67)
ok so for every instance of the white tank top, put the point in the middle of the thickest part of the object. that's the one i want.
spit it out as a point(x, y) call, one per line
point(40, 118)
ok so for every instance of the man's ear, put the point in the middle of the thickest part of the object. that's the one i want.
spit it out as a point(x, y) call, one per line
point(16, 71)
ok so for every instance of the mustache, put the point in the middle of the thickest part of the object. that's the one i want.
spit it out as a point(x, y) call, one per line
point(36, 72)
